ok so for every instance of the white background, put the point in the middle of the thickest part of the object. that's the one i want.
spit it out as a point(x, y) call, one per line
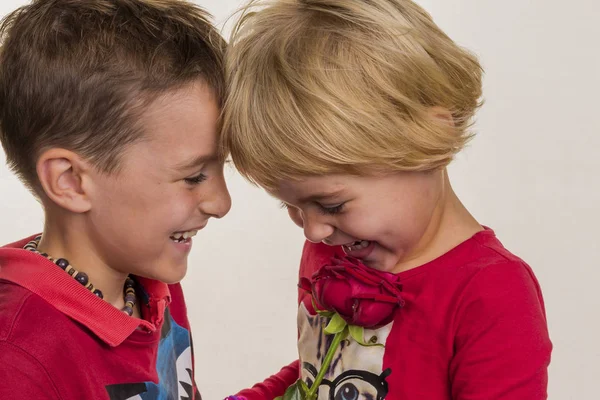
point(531, 174)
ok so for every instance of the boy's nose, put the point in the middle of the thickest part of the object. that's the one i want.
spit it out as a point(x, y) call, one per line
point(219, 203)
point(316, 230)
point(224, 205)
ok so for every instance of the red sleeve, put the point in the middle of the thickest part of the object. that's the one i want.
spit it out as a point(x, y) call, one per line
point(23, 377)
point(275, 385)
point(502, 347)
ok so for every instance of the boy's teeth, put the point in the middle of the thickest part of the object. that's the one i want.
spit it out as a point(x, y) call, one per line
point(358, 245)
point(184, 235)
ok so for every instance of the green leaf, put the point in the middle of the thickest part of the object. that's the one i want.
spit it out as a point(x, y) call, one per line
point(323, 313)
point(326, 314)
point(336, 325)
point(358, 334)
point(298, 391)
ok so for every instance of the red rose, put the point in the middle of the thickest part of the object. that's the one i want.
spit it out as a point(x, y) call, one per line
point(362, 296)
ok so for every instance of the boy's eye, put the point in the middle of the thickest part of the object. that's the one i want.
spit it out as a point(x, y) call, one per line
point(194, 180)
point(331, 210)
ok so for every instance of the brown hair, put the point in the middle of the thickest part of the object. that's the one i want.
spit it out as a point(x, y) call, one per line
point(77, 74)
point(344, 86)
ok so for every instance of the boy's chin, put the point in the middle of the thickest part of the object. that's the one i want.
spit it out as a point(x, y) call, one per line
point(170, 275)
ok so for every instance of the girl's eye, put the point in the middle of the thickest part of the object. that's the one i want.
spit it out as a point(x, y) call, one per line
point(194, 180)
point(331, 210)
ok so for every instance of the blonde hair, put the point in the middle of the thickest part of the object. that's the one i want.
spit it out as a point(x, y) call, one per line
point(344, 86)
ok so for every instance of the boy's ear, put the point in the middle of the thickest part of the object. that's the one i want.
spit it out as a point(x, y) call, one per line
point(63, 176)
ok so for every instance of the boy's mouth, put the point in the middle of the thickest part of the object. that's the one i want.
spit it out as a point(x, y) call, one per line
point(360, 249)
point(180, 237)
point(357, 245)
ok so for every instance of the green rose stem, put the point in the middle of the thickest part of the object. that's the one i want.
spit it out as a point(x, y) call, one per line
point(337, 339)
point(340, 329)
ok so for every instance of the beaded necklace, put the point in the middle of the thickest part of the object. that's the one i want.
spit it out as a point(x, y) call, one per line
point(81, 277)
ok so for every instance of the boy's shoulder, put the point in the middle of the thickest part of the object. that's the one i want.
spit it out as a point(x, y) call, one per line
point(17, 304)
point(487, 247)
point(24, 316)
point(484, 264)
point(26, 344)
point(29, 320)
point(36, 339)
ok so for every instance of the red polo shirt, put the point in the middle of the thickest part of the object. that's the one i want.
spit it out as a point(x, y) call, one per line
point(60, 341)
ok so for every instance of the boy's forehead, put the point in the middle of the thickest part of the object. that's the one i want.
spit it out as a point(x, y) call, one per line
point(190, 104)
point(182, 125)
point(194, 161)
point(309, 188)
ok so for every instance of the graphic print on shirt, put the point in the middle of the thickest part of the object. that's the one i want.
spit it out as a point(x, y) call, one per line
point(355, 373)
point(173, 365)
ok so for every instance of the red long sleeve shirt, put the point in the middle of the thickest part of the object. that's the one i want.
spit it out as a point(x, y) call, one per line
point(473, 328)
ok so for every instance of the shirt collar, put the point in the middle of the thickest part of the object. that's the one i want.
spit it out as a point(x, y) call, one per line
point(40, 276)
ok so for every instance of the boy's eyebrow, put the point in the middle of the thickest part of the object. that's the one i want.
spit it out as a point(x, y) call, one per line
point(320, 196)
point(195, 162)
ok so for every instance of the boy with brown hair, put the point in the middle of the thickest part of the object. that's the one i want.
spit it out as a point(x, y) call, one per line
point(349, 111)
point(108, 113)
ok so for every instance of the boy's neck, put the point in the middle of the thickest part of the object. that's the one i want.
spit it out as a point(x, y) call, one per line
point(450, 225)
point(65, 236)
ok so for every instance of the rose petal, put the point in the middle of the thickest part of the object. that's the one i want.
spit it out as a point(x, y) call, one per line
point(305, 284)
point(361, 295)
